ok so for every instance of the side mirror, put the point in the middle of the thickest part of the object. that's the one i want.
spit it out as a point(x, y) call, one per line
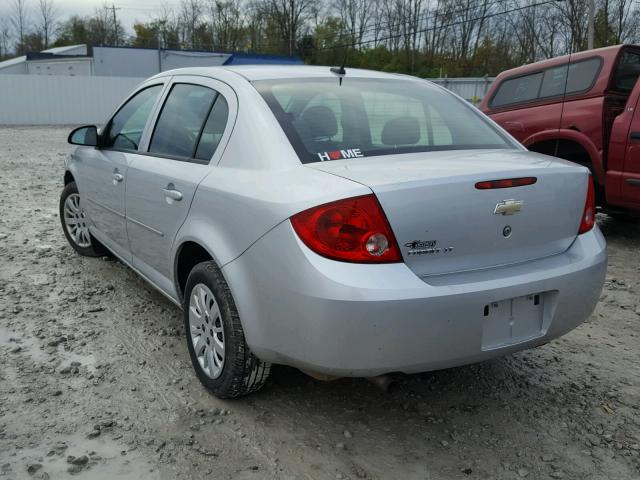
point(87, 136)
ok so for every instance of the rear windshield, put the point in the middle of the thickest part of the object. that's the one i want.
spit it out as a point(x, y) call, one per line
point(366, 117)
point(627, 71)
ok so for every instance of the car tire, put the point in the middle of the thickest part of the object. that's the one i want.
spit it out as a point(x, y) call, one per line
point(211, 319)
point(77, 234)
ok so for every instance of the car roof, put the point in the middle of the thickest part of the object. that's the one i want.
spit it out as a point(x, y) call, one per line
point(274, 72)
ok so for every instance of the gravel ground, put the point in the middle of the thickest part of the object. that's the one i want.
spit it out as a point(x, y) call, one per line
point(95, 379)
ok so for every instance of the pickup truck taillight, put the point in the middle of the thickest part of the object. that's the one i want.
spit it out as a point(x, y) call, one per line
point(589, 213)
point(350, 230)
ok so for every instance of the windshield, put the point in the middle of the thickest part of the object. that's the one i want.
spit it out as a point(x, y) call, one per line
point(366, 117)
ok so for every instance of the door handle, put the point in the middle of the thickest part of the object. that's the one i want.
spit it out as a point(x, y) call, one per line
point(117, 177)
point(633, 181)
point(172, 194)
point(634, 136)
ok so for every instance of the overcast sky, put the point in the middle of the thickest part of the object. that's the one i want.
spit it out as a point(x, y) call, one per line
point(129, 10)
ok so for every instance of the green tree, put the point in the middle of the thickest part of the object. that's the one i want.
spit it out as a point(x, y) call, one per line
point(33, 42)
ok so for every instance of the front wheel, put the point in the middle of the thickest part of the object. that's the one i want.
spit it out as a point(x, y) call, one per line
point(75, 223)
point(215, 338)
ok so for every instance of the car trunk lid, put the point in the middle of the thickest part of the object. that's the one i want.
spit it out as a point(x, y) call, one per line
point(444, 224)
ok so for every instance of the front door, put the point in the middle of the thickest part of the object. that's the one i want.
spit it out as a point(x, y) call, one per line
point(104, 169)
point(162, 182)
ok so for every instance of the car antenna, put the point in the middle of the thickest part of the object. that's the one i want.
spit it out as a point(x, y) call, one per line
point(340, 71)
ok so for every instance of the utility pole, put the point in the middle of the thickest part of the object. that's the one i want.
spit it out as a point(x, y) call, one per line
point(591, 32)
point(161, 24)
point(115, 24)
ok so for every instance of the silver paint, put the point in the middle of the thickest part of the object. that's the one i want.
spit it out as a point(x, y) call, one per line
point(300, 309)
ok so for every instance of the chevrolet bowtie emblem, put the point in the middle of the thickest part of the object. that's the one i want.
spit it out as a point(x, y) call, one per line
point(508, 207)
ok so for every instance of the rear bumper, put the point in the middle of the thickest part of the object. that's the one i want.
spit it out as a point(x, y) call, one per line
point(303, 310)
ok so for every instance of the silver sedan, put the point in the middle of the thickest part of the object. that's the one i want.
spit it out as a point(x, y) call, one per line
point(346, 223)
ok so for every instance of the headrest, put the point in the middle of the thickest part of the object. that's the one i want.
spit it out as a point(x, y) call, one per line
point(401, 131)
point(321, 121)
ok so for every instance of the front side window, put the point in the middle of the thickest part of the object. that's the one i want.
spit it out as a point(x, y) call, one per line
point(324, 120)
point(125, 128)
point(181, 120)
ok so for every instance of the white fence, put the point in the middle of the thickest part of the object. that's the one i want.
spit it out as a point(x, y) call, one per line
point(60, 100)
point(66, 100)
point(471, 89)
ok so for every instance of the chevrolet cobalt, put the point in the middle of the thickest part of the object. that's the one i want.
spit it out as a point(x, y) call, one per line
point(345, 223)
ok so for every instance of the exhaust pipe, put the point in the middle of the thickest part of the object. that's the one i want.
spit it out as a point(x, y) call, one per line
point(383, 382)
point(323, 377)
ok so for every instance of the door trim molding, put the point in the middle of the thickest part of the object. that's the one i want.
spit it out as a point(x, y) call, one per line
point(145, 226)
point(132, 220)
point(109, 209)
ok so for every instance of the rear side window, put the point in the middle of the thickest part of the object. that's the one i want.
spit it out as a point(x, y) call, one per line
point(554, 81)
point(517, 90)
point(213, 129)
point(582, 75)
point(627, 71)
point(548, 83)
point(181, 120)
point(325, 120)
point(125, 128)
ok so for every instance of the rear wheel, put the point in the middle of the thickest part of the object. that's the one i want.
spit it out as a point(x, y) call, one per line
point(215, 338)
point(75, 223)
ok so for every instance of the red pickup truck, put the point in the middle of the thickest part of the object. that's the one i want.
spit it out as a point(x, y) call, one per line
point(585, 109)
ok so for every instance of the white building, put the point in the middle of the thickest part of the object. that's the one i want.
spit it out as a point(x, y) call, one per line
point(71, 60)
point(107, 61)
point(75, 85)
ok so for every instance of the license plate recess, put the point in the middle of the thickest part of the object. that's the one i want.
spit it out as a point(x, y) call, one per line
point(513, 321)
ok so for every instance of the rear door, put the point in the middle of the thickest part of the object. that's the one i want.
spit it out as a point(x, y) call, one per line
point(103, 170)
point(188, 137)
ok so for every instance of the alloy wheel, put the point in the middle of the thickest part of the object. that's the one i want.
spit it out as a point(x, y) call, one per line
point(206, 330)
point(75, 221)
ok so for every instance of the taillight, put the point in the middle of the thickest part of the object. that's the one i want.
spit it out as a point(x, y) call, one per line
point(506, 183)
point(589, 213)
point(351, 230)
